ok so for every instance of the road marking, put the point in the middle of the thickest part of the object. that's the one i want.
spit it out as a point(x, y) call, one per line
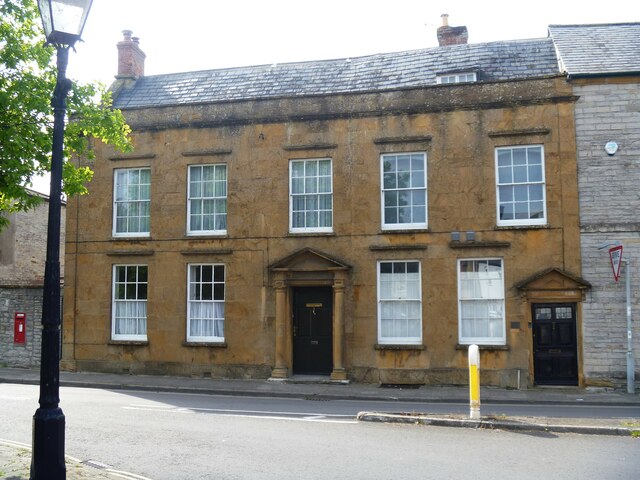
point(296, 416)
point(11, 443)
point(160, 409)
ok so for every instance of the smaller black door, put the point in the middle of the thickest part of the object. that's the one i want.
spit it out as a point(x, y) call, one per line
point(555, 352)
point(312, 330)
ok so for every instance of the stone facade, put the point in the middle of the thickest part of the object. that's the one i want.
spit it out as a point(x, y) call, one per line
point(609, 110)
point(22, 262)
point(458, 128)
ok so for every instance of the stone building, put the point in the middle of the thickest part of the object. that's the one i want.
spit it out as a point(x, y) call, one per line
point(603, 66)
point(361, 219)
point(22, 260)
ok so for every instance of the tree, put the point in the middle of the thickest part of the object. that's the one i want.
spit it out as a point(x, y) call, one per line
point(27, 80)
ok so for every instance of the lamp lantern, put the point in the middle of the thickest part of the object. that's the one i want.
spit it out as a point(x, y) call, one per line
point(64, 20)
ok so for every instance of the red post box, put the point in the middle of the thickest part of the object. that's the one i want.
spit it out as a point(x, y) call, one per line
point(20, 328)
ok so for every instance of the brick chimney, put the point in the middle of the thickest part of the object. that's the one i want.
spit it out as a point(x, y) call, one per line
point(451, 35)
point(130, 57)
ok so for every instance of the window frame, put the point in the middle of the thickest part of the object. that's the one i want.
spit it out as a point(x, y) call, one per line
point(116, 202)
point(403, 226)
point(202, 232)
point(206, 338)
point(292, 195)
point(415, 340)
point(515, 222)
point(114, 318)
point(498, 341)
point(452, 78)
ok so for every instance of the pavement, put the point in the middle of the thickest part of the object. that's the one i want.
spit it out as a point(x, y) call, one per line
point(15, 458)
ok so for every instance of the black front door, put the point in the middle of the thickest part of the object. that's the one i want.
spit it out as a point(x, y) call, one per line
point(312, 319)
point(555, 350)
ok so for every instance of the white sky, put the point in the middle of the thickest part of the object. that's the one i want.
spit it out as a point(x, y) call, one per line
point(189, 35)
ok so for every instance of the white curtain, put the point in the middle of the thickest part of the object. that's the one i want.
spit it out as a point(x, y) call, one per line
point(131, 317)
point(400, 305)
point(206, 319)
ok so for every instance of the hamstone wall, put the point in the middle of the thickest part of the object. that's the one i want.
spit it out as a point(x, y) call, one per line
point(22, 262)
point(458, 127)
point(609, 185)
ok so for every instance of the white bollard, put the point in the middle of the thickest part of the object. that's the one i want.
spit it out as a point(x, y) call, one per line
point(474, 382)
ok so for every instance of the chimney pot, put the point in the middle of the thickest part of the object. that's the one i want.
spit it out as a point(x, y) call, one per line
point(127, 34)
point(445, 19)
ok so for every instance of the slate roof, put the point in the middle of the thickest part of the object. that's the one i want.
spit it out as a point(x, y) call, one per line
point(586, 50)
point(507, 60)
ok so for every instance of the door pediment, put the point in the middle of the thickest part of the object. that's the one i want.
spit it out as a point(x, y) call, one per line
point(554, 284)
point(308, 260)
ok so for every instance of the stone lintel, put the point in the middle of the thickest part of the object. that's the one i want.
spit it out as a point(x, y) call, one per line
point(213, 251)
point(520, 133)
point(406, 139)
point(130, 253)
point(207, 153)
point(474, 244)
point(312, 146)
point(141, 156)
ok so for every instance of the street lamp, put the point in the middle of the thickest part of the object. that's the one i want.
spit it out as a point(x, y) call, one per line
point(63, 21)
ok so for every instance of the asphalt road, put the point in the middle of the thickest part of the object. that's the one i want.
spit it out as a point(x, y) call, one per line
point(187, 436)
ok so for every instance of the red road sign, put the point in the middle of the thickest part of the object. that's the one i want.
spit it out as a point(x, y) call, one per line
point(615, 253)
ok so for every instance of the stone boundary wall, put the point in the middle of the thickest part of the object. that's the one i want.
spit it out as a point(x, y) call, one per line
point(28, 301)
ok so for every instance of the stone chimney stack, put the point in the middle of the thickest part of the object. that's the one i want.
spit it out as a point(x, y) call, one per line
point(130, 57)
point(451, 35)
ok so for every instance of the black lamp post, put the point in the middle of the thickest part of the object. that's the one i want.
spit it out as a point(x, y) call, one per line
point(63, 22)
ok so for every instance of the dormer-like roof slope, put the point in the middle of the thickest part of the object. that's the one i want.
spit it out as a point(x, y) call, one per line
point(595, 50)
point(493, 61)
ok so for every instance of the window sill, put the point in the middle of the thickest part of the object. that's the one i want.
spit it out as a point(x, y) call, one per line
point(136, 236)
point(404, 230)
point(311, 234)
point(465, 347)
point(205, 344)
point(134, 343)
point(523, 227)
point(393, 346)
point(139, 238)
point(223, 234)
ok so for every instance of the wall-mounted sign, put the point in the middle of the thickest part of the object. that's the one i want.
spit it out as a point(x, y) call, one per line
point(615, 253)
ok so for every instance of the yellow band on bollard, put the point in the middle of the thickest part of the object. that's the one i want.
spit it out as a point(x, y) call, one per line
point(474, 383)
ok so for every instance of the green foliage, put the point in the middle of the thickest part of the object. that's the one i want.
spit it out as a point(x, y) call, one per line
point(27, 81)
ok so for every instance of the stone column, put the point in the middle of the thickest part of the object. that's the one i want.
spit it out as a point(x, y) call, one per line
point(281, 370)
point(338, 373)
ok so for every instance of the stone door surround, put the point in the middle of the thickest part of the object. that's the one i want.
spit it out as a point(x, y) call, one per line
point(307, 268)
